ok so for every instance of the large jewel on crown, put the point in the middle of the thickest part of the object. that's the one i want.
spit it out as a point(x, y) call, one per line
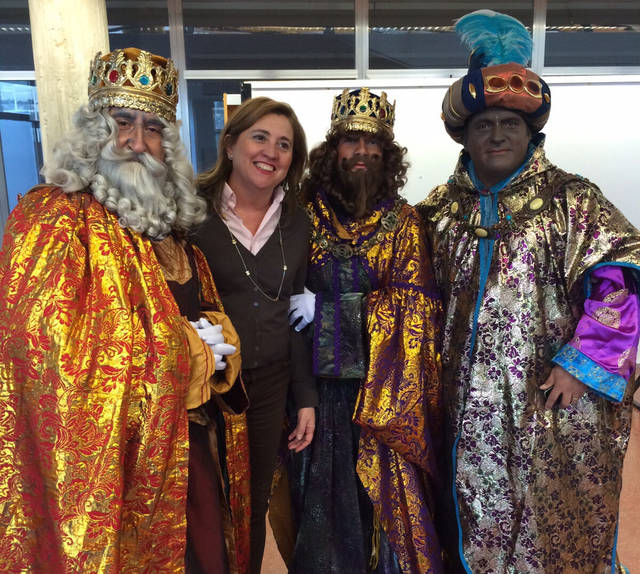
point(134, 78)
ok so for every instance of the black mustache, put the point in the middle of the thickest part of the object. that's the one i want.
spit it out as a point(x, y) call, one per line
point(369, 161)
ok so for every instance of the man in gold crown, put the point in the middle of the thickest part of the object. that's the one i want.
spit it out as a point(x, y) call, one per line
point(363, 491)
point(113, 345)
point(539, 275)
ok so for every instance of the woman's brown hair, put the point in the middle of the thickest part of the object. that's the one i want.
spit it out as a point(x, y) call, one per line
point(211, 182)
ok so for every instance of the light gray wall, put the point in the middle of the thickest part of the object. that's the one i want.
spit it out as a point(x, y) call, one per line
point(593, 130)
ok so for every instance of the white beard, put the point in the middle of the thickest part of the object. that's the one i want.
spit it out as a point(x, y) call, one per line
point(135, 187)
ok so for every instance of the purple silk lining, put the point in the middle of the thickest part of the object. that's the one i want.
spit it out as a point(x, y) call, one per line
point(607, 332)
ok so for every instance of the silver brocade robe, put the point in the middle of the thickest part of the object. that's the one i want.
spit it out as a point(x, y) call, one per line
point(537, 491)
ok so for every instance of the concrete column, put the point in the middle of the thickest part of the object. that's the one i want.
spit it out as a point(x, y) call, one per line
point(65, 34)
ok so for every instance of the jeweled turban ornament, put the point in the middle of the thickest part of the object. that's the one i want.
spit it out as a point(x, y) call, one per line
point(500, 49)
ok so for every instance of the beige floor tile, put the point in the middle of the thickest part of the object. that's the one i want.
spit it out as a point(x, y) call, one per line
point(629, 534)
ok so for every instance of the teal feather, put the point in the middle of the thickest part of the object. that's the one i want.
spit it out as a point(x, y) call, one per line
point(494, 38)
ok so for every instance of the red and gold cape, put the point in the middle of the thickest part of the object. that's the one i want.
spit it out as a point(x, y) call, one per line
point(94, 367)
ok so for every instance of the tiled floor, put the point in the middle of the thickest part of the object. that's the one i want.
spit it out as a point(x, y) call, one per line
point(629, 536)
point(272, 563)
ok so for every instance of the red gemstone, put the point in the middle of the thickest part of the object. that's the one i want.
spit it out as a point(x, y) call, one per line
point(383, 114)
point(113, 76)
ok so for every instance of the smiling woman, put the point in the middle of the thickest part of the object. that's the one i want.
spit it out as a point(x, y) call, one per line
point(261, 157)
point(256, 241)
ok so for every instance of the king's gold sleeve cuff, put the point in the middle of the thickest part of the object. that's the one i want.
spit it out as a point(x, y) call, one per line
point(204, 380)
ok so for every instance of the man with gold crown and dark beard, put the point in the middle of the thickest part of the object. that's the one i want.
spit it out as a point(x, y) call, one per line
point(364, 490)
point(117, 376)
point(539, 276)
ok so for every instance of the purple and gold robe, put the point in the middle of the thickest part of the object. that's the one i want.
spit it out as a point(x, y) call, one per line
point(375, 331)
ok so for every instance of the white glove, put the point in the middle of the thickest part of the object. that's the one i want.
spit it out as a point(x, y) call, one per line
point(302, 308)
point(212, 336)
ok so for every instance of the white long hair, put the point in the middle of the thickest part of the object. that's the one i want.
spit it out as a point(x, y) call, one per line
point(148, 196)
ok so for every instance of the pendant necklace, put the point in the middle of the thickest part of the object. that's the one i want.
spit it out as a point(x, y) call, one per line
point(234, 241)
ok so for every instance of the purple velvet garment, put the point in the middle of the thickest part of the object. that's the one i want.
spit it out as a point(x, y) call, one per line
point(608, 331)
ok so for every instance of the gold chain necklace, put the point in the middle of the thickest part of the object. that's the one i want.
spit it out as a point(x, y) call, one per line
point(342, 249)
point(234, 241)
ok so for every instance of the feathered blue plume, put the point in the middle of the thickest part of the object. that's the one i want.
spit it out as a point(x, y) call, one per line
point(494, 38)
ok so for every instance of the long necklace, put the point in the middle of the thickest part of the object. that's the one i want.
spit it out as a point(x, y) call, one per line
point(234, 241)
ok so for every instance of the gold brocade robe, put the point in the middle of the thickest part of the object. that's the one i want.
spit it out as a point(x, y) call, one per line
point(94, 367)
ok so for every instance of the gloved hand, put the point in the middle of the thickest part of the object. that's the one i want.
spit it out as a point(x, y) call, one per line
point(212, 336)
point(302, 308)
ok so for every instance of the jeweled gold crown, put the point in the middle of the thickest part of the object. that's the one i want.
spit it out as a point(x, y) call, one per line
point(133, 78)
point(362, 111)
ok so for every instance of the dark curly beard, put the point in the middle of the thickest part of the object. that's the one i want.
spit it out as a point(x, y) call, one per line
point(356, 193)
